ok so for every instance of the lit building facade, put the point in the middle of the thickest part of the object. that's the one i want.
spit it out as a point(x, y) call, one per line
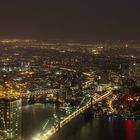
point(134, 73)
point(10, 119)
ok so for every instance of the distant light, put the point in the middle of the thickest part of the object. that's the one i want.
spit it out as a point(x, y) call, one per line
point(35, 139)
point(94, 50)
point(49, 133)
point(126, 45)
point(130, 98)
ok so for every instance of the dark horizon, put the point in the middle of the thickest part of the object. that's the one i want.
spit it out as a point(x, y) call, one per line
point(70, 20)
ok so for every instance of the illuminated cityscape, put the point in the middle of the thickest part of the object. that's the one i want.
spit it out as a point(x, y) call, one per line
point(69, 70)
point(65, 81)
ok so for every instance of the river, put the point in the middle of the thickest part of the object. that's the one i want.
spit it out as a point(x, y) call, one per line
point(99, 128)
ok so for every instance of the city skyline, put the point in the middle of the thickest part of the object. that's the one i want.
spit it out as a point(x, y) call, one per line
point(69, 70)
point(53, 91)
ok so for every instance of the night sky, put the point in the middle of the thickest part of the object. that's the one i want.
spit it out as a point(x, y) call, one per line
point(70, 19)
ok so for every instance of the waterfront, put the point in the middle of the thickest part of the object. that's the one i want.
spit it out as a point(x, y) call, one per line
point(99, 128)
point(35, 116)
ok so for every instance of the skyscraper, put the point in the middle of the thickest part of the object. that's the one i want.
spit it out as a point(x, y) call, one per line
point(10, 119)
point(134, 73)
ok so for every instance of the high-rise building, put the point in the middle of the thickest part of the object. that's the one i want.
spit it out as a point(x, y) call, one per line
point(134, 73)
point(10, 119)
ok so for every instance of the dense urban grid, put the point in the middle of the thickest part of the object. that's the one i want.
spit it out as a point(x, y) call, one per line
point(70, 79)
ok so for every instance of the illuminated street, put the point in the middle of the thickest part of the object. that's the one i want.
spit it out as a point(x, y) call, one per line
point(69, 70)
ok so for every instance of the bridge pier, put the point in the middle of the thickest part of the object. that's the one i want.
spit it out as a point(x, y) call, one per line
point(59, 122)
point(89, 114)
point(58, 117)
point(32, 99)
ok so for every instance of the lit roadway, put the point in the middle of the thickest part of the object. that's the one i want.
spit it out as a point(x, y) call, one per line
point(45, 135)
point(36, 93)
point(110, 103)
point(85, 73)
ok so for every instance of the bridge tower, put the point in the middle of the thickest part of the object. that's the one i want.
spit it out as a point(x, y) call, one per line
point(89, 113)
point(31, 99)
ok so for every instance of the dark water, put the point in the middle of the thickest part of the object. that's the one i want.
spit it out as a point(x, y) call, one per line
point(34, 117)
point(101, 128)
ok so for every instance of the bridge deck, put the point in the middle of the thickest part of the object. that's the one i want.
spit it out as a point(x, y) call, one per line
point(47, 134)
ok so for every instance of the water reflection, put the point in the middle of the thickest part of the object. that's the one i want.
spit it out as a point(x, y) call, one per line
point(102, 128)
point(33, 118)
point(130, 129)
point(37, 117)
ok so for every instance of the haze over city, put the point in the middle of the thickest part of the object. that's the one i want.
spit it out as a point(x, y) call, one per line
point(69, 70)
point(75, 20)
